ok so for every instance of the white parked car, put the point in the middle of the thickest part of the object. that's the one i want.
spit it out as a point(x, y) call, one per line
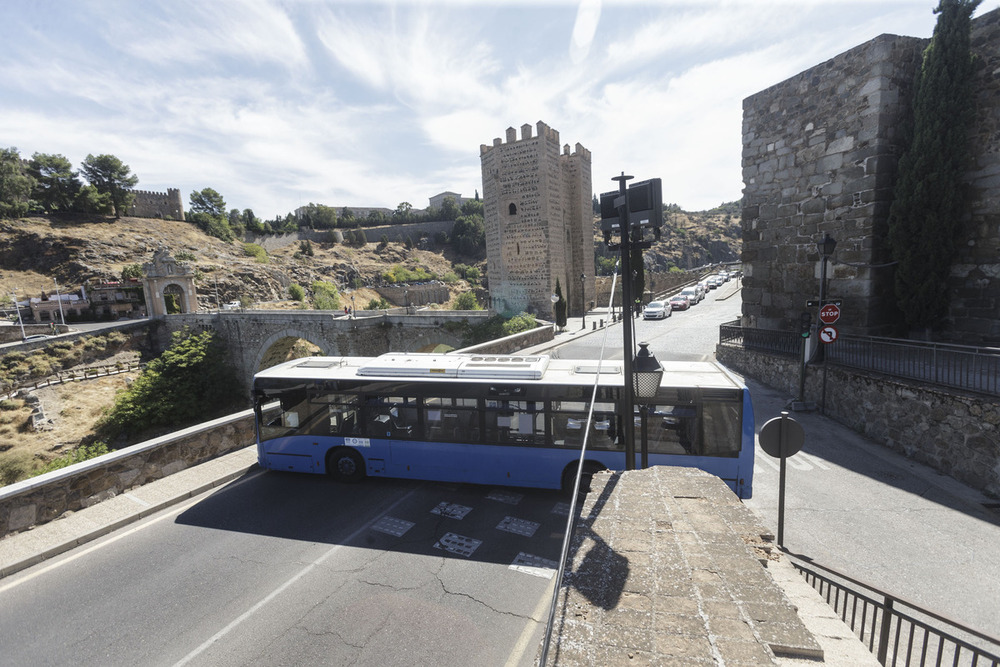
point(693, 294)
point(231, 305)
point(656, 310)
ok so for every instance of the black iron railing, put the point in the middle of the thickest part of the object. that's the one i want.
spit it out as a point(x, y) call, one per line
point(896, 631)
point(975, 369)
point(785, 343)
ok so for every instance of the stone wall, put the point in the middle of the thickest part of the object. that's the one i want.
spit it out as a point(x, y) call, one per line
point(395, 234)
point(157, 204)
point(819, 156)
point(46, 497)
point(954, 433)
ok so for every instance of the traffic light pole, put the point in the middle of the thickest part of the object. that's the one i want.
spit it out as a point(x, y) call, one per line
point(627, 315)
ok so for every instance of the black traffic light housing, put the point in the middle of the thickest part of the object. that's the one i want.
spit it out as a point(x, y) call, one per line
point(805, 324)
point(645, 207)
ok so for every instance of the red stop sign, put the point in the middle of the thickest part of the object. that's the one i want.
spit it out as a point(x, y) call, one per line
point(829, 313)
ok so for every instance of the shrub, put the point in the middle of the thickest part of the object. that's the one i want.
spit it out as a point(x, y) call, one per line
point(184, 256)
point(296, 292)
point(325, 296)
point(76, 455)
point(14, 468)
point(467, 301)
point(255, 251)
point(378, 304)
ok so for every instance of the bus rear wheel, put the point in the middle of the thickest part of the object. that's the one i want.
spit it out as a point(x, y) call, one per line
point(569, 476)
point(345, 465)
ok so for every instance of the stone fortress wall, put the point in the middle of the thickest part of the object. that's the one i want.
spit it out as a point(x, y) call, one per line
point(158, 204)
point(819, 156)
point(539, 227)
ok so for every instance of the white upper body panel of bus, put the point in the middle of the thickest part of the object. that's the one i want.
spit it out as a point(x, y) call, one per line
point(542, 369)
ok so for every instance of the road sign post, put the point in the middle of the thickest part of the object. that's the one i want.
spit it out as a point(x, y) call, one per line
point(781, 437)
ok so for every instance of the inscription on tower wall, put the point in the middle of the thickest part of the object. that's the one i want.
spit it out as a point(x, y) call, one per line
point(536, 231)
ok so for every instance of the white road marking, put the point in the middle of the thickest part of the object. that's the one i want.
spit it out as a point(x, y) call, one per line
point(283, 587)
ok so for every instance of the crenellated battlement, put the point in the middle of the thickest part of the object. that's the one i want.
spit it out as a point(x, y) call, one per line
point(542, 131)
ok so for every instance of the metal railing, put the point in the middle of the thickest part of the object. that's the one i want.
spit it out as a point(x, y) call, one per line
point(784, 343)
point(974, 369)
point(895, 631)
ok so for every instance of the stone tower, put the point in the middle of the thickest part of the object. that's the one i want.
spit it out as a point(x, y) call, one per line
point(537, 206)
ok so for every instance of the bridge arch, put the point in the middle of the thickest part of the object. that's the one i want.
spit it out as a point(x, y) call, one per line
point(275, 347)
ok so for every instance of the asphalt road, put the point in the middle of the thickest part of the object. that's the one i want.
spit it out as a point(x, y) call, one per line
point(295, 569)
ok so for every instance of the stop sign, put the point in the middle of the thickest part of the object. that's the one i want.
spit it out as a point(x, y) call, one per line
point(829, 313)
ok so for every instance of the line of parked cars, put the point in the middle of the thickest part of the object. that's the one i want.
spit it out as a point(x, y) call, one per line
point(687, 297)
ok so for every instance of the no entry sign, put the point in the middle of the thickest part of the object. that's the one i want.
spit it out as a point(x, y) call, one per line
point(829, 313)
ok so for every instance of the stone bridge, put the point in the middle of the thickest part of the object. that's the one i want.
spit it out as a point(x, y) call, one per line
point(258, 339)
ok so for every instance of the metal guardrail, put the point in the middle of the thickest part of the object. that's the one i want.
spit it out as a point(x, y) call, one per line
point(974, 369)
point(896, 631)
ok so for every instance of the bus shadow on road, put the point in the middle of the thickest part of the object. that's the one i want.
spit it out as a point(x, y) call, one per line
point(480, 523)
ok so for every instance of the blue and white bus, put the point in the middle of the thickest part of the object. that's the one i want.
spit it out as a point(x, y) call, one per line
point(494, 419)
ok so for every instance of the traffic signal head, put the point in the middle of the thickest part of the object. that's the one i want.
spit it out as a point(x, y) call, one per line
point(805, 324)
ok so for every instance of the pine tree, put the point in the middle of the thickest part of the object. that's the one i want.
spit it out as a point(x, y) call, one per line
point(928, 200)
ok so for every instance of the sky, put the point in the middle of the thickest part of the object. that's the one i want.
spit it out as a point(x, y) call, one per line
point(277, 104)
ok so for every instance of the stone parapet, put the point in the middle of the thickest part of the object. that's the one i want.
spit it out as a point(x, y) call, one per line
point(667, 566)
point(41, 499)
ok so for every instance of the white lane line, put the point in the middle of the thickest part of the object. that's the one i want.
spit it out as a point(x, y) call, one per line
point(280, 589)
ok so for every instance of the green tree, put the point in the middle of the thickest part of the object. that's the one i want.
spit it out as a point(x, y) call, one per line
point(325, 296)
point(56, 184)
point(112, 177)
point(467, 301)
point(378, 304)
point(296, 292)
point(929, 198)
point(131, 271)
point(449, 209)
point(473, 206)
point(90, 201)
point(191, 381)
point(15, 184)
point(402, 212)
point(208, 201)
point(208, 212)
point(468, 236)
point(560, 307)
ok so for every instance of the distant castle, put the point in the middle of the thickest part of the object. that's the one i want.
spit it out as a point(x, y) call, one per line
point(158, 204)
point(537, 208)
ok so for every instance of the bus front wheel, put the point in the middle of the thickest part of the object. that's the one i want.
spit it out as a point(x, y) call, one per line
point(569, 476)
point(345, 465)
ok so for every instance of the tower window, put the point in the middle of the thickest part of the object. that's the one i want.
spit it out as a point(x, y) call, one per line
point(512, 209)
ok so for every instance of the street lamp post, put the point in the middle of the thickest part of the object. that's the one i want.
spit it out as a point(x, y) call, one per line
point(646, 374)
point(583, 299)
point(62, 318)
point(352, 307)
